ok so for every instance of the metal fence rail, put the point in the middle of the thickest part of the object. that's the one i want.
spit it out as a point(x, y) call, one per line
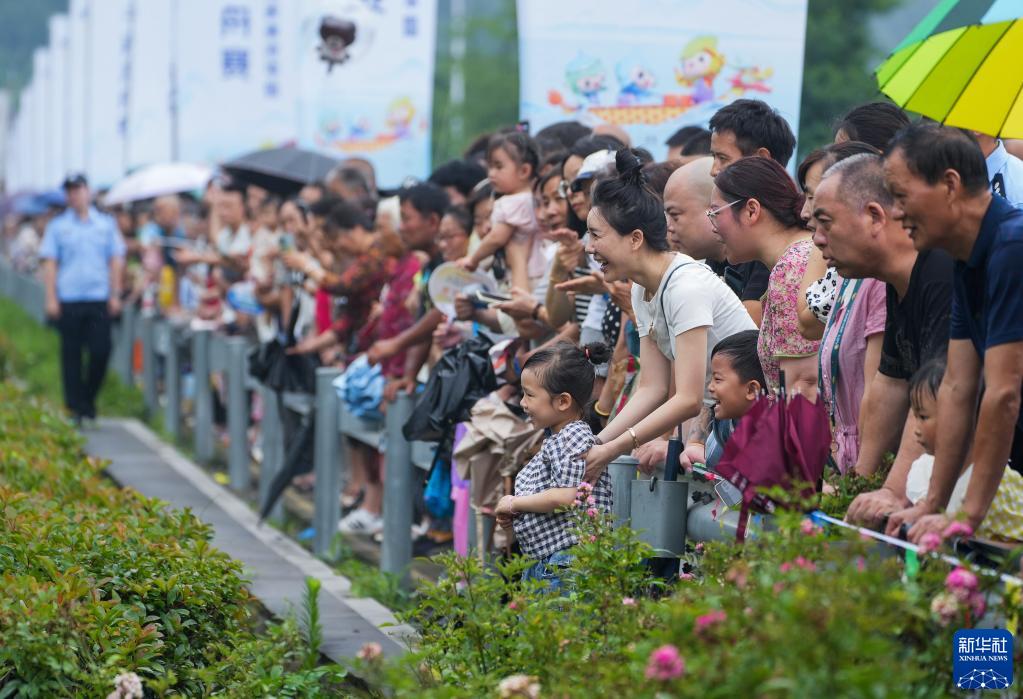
point(166, 347)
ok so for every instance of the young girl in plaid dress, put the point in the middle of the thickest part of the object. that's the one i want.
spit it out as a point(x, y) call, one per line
point(557, 384)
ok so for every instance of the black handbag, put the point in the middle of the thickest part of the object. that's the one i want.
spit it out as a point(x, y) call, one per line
point(272, 366)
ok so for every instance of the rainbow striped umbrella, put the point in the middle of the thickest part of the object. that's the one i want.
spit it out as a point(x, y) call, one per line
point(962, 66)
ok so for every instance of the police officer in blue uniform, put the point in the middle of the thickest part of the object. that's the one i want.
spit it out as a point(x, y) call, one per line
point(83, 257)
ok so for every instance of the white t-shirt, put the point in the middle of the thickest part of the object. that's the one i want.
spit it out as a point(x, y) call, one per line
point(693, 297)
point(236, 243)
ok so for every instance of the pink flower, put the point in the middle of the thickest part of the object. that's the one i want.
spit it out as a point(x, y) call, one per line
point(513, 605)
point(526, 686)
point(628, 602)
point(798, 562)
point(584, 487)
point(748, 611)
point(809, 528)
point(370, 651)
point(930, 542)
point(686, 576)
point(665, 664)
point(961, 583)
point(705, 621)
point(591, 512)
point(978, 605)
point(805, 564)
point(590, 500)
point(593, 538)
point(699, 547)
point(777, 588)
point(861, 565)
point(577, 502)
point(945, 607)
point(960, 530)
point(127, 686)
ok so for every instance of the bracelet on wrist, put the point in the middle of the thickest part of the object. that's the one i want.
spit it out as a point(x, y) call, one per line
point(601, 413)
point(536, 311)
point(635, 439)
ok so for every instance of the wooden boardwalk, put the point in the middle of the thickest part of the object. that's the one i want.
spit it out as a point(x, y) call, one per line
point(276, 566)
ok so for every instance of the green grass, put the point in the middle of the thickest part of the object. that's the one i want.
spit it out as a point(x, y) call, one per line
point(30, 353)
point(370, 581)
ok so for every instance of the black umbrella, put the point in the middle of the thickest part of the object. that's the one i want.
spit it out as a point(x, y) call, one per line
point(298, 458)
point(281, 170)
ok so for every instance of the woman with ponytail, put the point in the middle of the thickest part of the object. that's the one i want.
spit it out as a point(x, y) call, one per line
point(756, 210)
point(682, 311)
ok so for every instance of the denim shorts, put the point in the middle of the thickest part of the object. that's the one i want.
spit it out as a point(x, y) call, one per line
point(551, 571)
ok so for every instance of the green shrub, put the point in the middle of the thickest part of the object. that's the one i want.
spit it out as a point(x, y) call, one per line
point(794, 613)
point(31, 352)
point(99, 580)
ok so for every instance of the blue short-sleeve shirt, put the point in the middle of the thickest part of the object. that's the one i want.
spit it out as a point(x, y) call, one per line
point(82, 249)
point(987, 294)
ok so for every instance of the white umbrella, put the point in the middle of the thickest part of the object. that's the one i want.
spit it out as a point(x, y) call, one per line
point(158, 180)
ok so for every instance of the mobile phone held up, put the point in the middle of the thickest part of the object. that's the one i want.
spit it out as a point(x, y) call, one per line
point(487, 298)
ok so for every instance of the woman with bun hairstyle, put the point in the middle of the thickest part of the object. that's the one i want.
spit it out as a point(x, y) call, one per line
point(682, 311)
point(756, 210)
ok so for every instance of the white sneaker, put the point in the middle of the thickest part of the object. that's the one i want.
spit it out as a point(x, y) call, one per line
point(361, 521)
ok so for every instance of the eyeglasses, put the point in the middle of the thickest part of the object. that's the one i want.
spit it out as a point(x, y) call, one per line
point(712, 214)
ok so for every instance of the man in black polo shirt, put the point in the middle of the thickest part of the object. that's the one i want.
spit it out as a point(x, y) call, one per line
point(939, 180)
point(858, 234)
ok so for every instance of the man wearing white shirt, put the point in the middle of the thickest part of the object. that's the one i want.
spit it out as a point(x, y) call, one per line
point(1004, 170)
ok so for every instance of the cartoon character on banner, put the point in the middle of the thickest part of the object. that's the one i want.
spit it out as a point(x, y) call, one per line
point(400, 125)
point(338, 35)
point(701, 65)
point(635, 82)
point(586, 79)
point(400, 115)
point(750, 79)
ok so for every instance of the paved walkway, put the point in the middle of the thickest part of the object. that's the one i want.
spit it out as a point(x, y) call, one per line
point(275, 564)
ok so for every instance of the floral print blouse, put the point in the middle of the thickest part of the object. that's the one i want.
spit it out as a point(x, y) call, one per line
point(779, 330)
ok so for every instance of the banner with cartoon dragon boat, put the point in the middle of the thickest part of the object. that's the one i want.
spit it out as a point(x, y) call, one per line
point(657, 65)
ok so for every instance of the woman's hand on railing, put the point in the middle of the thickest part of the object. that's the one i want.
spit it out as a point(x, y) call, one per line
point(651, 455)
point(395, 386)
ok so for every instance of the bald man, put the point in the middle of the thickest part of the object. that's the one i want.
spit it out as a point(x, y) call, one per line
point(686, 200)
point(166, 223)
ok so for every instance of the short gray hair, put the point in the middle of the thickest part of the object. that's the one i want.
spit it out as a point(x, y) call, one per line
point(861, 178)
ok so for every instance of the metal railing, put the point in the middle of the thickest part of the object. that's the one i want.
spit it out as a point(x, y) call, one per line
point(167, 345)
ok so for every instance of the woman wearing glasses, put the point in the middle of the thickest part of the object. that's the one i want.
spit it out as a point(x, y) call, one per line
point(756, 210)
point(682, 310)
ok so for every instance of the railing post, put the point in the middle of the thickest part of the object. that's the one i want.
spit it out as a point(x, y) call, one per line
point(327, 493)
point(124, 348)
point(203, 434)
point(396, 552)
point(172, 382)
point(622, 471)
point(237, 415)
point(149, 363)
point(273, 449)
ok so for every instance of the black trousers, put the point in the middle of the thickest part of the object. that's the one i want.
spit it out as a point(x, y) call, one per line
point(83, 326)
